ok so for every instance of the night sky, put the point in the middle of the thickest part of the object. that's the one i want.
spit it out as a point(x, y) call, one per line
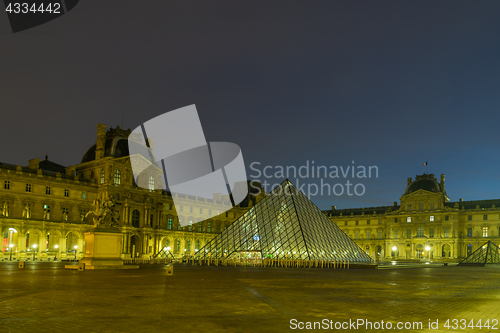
point(391, 84)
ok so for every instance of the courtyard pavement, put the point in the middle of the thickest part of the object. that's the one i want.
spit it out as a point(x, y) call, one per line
point(45, 297)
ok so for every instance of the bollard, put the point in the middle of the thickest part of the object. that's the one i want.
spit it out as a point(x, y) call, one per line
point(21, 264)
point(347, 264)
point(170, 269)
point(81, 266)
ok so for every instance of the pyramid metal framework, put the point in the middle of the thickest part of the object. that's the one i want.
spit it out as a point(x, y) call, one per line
point(488, 253)
point(284, 224)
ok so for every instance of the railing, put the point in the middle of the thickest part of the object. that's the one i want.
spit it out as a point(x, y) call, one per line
point(139, 261)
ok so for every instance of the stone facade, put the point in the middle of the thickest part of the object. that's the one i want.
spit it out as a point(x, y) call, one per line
point(425, 225)
point(43, 206)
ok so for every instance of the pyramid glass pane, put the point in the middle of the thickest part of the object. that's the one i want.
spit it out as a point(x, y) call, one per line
point(488, 253)
point(285, 224)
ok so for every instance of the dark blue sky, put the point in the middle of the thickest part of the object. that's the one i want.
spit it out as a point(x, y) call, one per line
point(385, 83)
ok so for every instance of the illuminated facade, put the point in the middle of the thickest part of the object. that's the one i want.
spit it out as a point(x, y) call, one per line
point(43, 206)
point(425, 225)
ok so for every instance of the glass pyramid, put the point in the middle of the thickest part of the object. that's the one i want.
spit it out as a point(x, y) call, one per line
point(284, 224)
point(489, 253)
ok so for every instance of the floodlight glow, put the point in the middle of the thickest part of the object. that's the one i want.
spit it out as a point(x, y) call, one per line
point(34, 246)
point(427, 248)
point(394, 248)
point(11, 246)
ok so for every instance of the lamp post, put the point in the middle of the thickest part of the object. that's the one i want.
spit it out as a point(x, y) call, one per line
point(427, 248)
point(34, 253)
point(11, 246)
point(168, 249)
point(394, 249)
point(76, 247)
point(57, 247)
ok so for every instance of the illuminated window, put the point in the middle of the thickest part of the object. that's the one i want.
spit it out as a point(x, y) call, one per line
point(118, 177)
point(65, 213)
point(379, 234)
point(27, 211)
point(431, 218)
point(151, 184)
point(469, 232)
point(420, 231)
point(5, 209)
point(66, 193)
point(177, 245)
point(188, 245)
point(485, 231)
point(28, 187)
point(102, 176)
point(408, 219)
point(6, 185)
point(197, 245)
point(199, 227)
point(135, 218)
point(368, 234)
point(47, 190)
point(169, 223)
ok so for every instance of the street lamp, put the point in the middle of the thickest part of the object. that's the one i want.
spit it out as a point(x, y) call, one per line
point(76, 246)
point(428, 248)
point(394, 249)
point(57, 247)
point(34, 253)
point(11, 246)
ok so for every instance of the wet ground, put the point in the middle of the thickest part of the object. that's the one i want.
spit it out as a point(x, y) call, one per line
point(45, 297)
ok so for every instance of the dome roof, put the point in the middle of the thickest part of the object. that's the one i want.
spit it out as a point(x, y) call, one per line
point(424, 182)
point(116, 145)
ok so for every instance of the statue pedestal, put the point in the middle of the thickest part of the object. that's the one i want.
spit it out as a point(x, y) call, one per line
point(103, 250)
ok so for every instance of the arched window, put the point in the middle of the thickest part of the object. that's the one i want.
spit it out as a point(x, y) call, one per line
point(118, 177)
point(135, 218)
point(188, 246)
point(102, 176)
point(197, 245)
point(151, 184)
point(177, 245)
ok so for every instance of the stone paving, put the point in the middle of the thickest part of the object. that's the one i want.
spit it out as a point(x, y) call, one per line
point(45, 297)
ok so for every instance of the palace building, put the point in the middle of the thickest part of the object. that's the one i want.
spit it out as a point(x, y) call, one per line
point(43, 206)
point(425, 225)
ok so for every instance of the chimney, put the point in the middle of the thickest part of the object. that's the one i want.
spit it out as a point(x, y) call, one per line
point(34, 164)
point(442, 182)
point(408, 181)
point(461, 200)
point(101, 140)
point(395, 203)
point(334, 207)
